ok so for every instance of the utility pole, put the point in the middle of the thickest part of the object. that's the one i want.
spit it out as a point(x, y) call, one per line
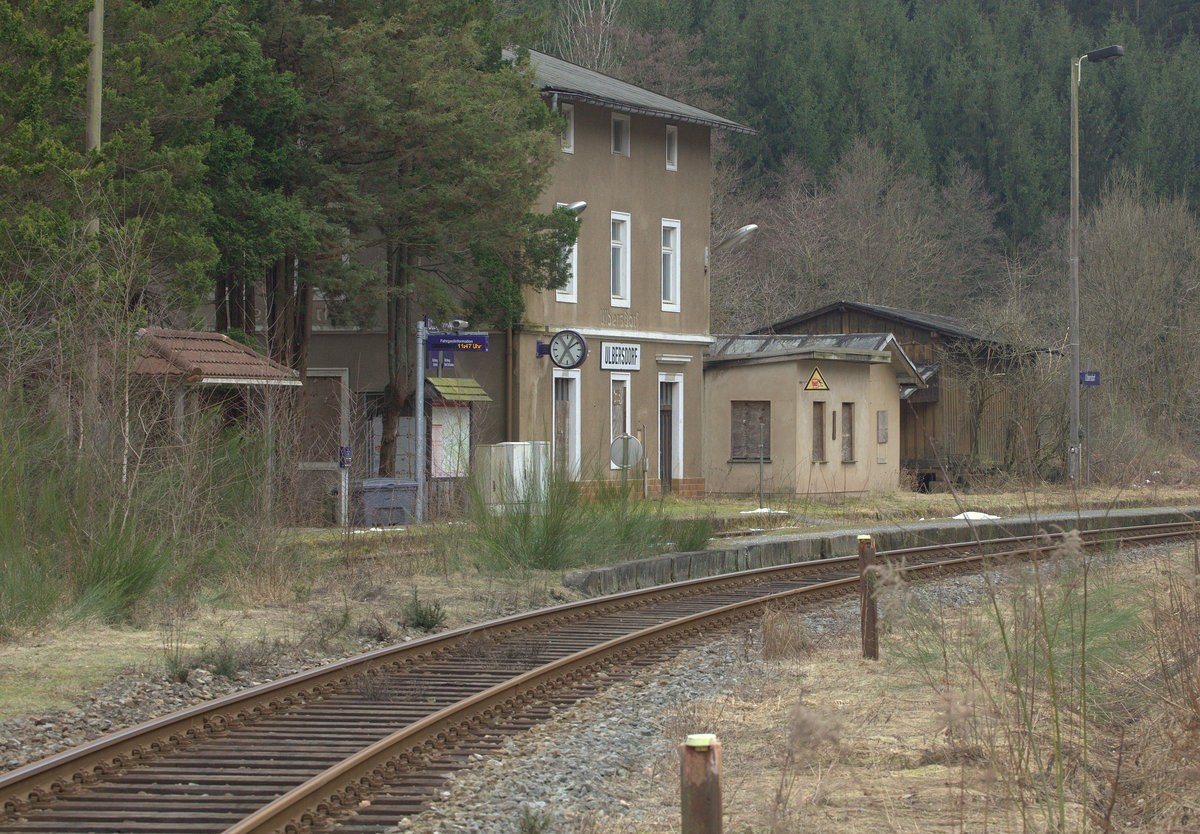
point(94, 88)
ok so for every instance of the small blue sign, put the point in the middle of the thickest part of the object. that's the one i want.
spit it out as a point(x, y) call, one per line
point(441, 359)
point(1089, 377)
point(458, 341)
point(343, 457)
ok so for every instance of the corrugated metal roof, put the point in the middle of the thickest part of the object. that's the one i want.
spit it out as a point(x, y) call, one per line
point(572, 82)
point(853, 347)
point(462, 389)
point(929, 321)
point(201, 358)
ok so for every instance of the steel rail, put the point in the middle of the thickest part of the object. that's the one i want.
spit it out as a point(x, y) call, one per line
point(341, 788)
point(40, 782)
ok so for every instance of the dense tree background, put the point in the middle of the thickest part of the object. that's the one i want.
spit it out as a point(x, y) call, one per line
point(915, 153)
point(909, 152)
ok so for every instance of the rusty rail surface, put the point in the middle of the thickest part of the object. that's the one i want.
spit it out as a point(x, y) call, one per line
point(368, 739)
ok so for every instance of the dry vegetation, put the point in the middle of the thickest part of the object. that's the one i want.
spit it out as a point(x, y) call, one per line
point(997, 716)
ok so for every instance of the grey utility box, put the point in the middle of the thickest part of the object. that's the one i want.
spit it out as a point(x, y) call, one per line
point(378, 502)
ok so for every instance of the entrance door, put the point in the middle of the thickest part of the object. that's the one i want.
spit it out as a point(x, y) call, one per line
point(666, 435)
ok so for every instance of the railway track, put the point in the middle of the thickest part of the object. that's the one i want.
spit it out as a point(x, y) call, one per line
point(358, 744)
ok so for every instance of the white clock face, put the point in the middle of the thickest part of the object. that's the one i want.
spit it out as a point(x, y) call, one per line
point(568, 349)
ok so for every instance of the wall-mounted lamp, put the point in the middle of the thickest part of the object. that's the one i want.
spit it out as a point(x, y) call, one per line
point(576, 207)
point(732, 241)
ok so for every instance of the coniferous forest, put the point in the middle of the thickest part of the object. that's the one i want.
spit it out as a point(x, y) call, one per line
point(908, 153)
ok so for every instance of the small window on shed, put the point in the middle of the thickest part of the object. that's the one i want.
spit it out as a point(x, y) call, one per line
point(750, 430)
point(881, 427)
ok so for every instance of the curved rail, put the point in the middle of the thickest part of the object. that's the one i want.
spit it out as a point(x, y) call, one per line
point(334, 790)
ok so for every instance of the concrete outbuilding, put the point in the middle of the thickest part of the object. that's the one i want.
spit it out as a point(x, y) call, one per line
point(805, 414)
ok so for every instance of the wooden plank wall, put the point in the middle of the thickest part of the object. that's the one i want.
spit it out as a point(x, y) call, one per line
point(947, 423)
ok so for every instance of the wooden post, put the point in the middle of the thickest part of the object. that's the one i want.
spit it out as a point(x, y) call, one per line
point(867, 582)
point(700, 784)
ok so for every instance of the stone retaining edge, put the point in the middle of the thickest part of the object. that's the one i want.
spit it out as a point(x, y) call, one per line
point(769, 551)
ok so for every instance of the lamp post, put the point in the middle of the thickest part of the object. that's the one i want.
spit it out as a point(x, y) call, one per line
point(1073, 260)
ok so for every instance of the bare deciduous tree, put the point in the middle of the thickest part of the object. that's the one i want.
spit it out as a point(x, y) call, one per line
point(876, 234)
point(584, 33)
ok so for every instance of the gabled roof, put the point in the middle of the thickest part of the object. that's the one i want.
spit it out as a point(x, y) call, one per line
point(457, 389)
point(571, 82)
point(201, 358)
point(942, 324)
point(849, 347)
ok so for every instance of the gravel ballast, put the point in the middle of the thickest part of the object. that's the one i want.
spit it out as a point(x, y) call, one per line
point(598, 759)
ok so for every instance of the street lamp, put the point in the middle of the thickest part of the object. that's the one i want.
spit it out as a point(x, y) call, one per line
point(1073, 337)
point(733, 241)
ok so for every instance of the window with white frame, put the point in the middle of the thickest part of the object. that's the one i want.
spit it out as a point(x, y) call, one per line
point(568, 293)
point(619, 406)
point(620, 134)
point(670, 265)
point(568, 134)
point(672, 148)
point(619, 262)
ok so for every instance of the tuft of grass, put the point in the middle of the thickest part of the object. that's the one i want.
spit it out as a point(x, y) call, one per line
point(559, 525)
point(533, 821)
point(783, 637)
point(427, 617)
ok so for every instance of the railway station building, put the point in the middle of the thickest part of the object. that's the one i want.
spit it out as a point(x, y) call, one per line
point(619, 349)
point(974, 414)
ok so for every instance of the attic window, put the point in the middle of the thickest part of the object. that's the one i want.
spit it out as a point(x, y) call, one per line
point(672, 148)
point(620, 134)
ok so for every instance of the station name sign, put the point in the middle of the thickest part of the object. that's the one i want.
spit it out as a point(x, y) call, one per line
point(619, 356)
point(458, 341)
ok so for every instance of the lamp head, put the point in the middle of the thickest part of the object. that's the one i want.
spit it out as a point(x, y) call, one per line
point(1104, 54)
point(577, 207)
point(737, 238)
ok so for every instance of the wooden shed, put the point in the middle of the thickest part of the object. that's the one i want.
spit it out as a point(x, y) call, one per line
point(974, 415)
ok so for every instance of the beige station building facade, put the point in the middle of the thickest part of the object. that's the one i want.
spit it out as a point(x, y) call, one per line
point(640, 295)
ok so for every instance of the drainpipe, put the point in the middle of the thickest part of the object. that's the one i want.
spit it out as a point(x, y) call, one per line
point(509, 434)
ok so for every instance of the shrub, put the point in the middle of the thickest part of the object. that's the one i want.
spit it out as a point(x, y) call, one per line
point(419, 615)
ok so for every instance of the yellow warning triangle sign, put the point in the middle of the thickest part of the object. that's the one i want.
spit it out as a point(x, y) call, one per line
point(816, 382)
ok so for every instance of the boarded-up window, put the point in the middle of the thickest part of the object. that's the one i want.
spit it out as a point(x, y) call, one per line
point(818, 432)
point(620, 405)
point(750, 430)
point(847, 432)
point(881, 427)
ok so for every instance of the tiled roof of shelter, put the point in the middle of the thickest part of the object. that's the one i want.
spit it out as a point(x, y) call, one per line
point(571, 82)
point(458, 389)
point(201, 358)
point(861, 347)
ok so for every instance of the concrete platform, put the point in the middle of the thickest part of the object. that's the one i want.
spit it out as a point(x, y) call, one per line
point(782, 549)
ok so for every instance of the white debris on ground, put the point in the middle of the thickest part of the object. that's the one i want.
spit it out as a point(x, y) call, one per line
point(974, 515)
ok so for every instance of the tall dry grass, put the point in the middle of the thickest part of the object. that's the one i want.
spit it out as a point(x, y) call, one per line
point(1071, 696)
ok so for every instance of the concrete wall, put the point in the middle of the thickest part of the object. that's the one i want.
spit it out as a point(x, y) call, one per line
point(780, 550)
